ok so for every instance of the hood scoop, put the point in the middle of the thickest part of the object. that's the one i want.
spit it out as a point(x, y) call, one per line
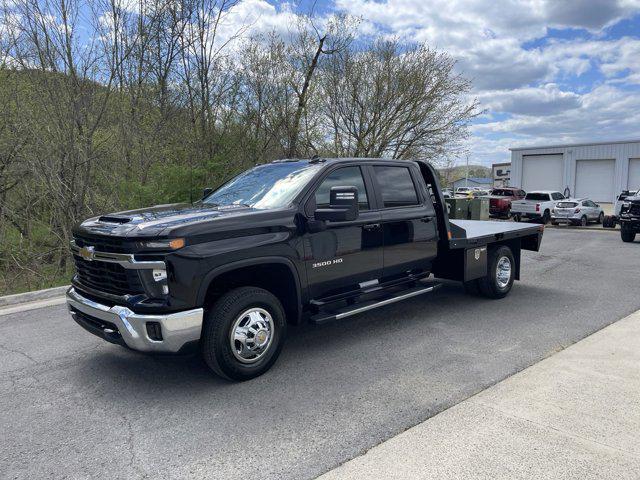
point(114, 219)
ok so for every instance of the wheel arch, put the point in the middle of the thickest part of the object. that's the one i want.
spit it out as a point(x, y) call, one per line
point(277, 275)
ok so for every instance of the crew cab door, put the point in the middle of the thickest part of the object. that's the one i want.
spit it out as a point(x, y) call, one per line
point(344, 254)
point(408, 220)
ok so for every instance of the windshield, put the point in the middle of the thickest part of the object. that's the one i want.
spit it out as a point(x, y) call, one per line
point(537, 196)
point(502, 193)
point(266, 186)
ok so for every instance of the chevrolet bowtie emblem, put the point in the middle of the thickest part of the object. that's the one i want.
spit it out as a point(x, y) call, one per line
point(87, 253)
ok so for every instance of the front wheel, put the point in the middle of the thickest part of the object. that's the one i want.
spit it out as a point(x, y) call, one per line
point(243, 333)
point(501, 267)
point(627, 235)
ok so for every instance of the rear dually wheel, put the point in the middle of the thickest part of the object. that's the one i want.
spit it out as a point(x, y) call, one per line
point(501, 268)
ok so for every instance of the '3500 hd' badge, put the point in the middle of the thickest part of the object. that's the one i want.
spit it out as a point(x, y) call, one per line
point(327, 263)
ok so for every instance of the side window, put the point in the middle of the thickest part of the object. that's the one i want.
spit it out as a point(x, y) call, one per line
point(396, 186)
point(522, 193)
point(343, 177)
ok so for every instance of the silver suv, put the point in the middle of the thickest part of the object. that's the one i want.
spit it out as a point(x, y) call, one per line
point(577, 211)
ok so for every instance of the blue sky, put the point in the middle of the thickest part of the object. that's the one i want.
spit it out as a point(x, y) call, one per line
point(545, 71)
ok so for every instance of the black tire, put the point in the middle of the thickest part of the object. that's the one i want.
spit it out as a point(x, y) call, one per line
point(584, 221)
point(627, 235)
point(489, 285)
point(517, 217)
point(601, 218)
point(546, 217)
point(220, 319)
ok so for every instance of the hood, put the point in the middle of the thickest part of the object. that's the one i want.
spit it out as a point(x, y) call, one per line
point(158, 220)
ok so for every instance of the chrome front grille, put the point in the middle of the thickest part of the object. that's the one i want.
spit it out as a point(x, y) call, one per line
point(109, 271)
point(103, 243)
point(107, 277)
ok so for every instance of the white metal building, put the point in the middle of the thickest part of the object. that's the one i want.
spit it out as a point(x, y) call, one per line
point(595, 170)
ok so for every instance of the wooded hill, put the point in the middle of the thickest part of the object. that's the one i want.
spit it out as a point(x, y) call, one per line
point(153, 105)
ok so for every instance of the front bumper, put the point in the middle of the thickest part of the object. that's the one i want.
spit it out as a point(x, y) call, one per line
point(120, 325)
point(630, 221)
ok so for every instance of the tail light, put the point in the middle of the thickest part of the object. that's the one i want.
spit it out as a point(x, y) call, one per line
point(537, 207)
point(577, 210)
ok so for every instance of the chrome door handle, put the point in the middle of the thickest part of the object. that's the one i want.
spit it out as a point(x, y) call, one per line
point(372, 226)
point(426, 219)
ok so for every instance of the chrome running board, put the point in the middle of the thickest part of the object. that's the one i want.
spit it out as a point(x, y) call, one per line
point(350, 310)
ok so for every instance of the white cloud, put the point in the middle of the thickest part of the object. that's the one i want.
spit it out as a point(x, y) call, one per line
point(605, 112)
point(539, 101)
point(559, 90)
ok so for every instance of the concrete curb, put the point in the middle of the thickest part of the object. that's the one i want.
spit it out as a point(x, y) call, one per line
point(33, 296)
point(585, 229)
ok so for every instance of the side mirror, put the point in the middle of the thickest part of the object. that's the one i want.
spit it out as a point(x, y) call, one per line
point(343, 205)
point(206, 192)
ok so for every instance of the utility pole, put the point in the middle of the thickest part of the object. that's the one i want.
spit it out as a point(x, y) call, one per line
point(466, 175)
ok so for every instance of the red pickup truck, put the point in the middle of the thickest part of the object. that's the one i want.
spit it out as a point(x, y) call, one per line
point(501, 198)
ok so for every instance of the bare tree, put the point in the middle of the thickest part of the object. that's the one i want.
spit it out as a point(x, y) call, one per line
point(308, 46)
point(64, 72)
point(395, 101)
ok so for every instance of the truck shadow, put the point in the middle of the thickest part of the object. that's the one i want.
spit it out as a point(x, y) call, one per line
point(359, 345)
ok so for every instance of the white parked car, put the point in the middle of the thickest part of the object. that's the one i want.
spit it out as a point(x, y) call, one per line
point(537, 204)
point(577, 211)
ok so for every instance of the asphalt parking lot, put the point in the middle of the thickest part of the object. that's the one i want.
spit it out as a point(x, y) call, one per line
point(73, 406)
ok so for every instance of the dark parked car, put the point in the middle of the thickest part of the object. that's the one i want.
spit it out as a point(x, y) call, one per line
point(500, 200)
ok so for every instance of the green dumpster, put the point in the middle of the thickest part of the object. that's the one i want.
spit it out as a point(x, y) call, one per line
point(458, 208)
point(479, 209)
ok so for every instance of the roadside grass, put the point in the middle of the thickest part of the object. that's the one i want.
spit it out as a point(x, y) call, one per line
point(31, 262)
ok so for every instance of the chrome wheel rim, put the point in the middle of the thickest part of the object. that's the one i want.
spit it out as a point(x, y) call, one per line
point(503, 272)
point(251, 335)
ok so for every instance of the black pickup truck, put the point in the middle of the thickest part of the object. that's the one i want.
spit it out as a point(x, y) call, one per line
point(290, 241)
point(629, 218)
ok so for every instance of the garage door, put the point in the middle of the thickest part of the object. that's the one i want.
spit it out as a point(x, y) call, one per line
point(594, 179)
point(542, 172)
point(634, 174)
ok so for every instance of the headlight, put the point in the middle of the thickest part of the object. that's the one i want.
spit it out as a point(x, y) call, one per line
point(168, 244)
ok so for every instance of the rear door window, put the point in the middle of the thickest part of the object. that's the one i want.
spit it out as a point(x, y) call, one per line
point(538, 197)
point(396, 186)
